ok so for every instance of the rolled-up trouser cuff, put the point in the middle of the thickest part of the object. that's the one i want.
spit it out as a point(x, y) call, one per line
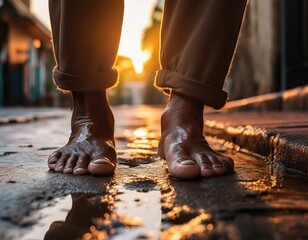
point(211, 96)
point(85, 82)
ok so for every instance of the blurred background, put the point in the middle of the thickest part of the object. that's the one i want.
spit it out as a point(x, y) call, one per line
point(272, 54)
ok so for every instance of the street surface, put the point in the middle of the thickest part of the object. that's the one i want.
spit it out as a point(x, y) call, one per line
point(140, 201)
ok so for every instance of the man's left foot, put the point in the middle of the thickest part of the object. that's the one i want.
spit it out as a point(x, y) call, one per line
point(183, 144)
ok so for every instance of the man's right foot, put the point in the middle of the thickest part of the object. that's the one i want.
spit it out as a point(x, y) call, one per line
point(91, 147)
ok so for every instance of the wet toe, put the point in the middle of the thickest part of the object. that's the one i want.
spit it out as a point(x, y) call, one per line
point(227, 163)
point(53, 158)
point(207, 171)
point(187, 162)
point(204, 164)
point(217, 165)
point(219, 169)
point(54, 155)
point(80, 171)
point(184, 169)
point(101, 166)
point(61, 163)
point(70, 164)
point(82, 165)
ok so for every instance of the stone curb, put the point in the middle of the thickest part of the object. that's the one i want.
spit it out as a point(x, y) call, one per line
point(284, 151)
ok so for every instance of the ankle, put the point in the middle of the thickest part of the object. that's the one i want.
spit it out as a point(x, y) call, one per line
point(89, 97)
point(91, 102)
point(180, 101)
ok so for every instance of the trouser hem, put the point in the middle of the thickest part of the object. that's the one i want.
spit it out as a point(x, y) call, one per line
point(85, 82)
point(211, 96)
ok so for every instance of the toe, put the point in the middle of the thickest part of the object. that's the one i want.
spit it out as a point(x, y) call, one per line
point(102, 166)
point(53, 159)
point(70, 164)
point(82, 165)
point(227, 163)
point(184, 168)
point(205, 165)
point(216, 165)
point(180, 164)
point(61, 162)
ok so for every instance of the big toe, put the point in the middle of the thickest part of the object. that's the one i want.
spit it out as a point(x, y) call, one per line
point(184, 169)
point(101, 166)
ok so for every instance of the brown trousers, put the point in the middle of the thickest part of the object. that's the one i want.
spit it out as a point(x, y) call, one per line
point(198, 39)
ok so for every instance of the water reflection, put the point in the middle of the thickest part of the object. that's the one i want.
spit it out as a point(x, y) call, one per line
point(139, 209)
point(141, 138)
point(121, 212)
point(79, 220)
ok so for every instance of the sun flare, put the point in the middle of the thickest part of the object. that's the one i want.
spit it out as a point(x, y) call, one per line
point(139, 59)
point(137, 16)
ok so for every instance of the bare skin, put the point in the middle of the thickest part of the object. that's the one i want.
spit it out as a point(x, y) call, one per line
point(183, 144)
point(91, 147)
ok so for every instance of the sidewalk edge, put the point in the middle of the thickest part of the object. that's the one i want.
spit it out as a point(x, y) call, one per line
point(274, 148)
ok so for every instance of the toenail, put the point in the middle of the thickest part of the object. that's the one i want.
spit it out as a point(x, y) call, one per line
point(102, 161)
point(187, 162)
point(53, 160)
point(79, 169)
point(217, 166)
point(68, 169)
point(206, 166)
point(59, 168)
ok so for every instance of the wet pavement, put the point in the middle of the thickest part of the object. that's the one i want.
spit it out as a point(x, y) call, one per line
point(140, 201)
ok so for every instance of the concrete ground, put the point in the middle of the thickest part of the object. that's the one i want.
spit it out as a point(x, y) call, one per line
point(259, 201)
point(23, 115)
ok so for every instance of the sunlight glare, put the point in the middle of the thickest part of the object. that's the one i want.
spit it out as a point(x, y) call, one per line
point(141, 132)
point(139, 59)
point(137, 16)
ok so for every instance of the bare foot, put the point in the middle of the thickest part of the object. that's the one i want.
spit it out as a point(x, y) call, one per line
point(182, 142)
point(90, 148)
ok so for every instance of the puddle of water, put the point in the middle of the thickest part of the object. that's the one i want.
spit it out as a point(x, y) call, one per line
point(140, 209)
point(122, 214)
point(57, 211)
point(141, 138)
point(134, 158)
point(195, 228)
point(145, 206)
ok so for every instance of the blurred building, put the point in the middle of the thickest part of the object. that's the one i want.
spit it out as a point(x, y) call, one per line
point(272, 53)
point(25, 55)
point(130, 88)
point(150, 43)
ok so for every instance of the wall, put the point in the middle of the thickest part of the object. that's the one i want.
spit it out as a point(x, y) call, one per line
point(256, 64)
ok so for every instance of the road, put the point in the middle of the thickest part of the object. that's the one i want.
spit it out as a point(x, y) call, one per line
point(140, 201)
